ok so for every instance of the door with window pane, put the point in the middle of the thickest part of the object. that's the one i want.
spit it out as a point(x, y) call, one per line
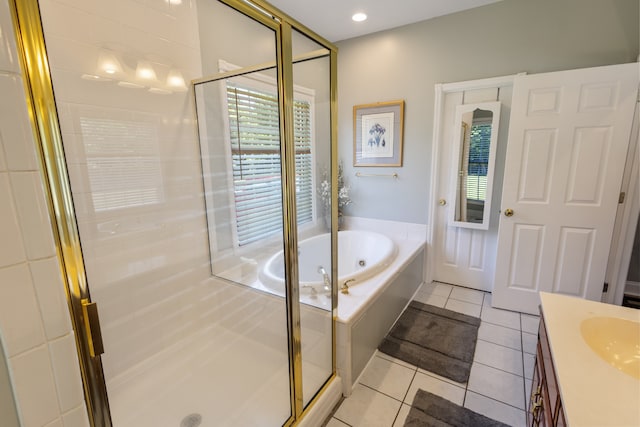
point(467, 256)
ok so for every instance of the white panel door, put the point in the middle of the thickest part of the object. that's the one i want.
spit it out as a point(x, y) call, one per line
point(464, 256)
point(568, 141)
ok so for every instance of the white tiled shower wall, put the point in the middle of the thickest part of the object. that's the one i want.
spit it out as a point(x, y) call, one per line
point(34, 319)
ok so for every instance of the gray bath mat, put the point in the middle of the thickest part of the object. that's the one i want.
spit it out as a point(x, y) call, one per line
point(429, 410)
point(432, 338)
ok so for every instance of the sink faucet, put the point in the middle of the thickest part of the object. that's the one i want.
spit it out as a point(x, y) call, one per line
point(325, 278)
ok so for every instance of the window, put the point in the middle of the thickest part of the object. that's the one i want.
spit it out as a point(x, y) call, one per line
point(478, 161)
point(255, 154)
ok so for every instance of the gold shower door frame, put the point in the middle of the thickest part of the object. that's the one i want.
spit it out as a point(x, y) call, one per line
point(48, 138)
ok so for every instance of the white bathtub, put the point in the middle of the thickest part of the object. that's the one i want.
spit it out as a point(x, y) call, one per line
point(392, 271)
point(362, 254)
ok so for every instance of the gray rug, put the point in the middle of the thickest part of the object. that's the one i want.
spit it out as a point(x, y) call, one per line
point(429, 410)
point(432, 338)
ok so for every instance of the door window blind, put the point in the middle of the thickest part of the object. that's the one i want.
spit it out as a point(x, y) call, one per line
point(255, 153)
point(478, 161)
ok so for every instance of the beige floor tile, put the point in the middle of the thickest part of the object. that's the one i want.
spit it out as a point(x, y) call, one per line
point(529, 343)
point(495, 410)
point(507, 318)
point(500, 335)
point(499, 357)
point(529, 362)
point(530, 323)
point(437, 288)
point(334, 422)
point(387, 377)
point(402, 415)
point(441, 378)
point(435, 386)
point(367, 408)
point(468, 295)
point(497, 384)
point(385, 356)
point(463, 307)
point(435, 300)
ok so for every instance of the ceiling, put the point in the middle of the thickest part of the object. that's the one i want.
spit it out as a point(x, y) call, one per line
point(332, 18)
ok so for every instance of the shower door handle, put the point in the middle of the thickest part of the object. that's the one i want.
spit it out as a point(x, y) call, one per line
point(92, 327)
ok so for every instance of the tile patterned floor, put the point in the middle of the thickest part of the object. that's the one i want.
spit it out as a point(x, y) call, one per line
point(500, 375)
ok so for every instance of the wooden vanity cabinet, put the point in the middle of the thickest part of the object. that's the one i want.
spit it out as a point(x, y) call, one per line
point(545, 404)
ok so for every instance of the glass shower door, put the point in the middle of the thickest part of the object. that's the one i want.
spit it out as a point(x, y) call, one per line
point(182, 346)
point(186, 231)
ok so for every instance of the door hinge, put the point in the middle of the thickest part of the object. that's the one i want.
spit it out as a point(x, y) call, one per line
point(621, 197)
point(92, 326)
point(605, 288)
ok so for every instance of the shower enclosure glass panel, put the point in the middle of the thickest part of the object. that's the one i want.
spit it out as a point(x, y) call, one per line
point(311, 71)
point(240, 144)
point(180, 345)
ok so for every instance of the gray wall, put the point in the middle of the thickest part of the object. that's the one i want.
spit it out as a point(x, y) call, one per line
point(503, 38)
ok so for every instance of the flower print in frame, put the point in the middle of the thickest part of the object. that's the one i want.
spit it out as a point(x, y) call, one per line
point(378, 135)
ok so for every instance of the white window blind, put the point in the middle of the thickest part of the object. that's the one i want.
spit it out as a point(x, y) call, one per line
point(255, 151)
point(123, 163)
point(480, 140)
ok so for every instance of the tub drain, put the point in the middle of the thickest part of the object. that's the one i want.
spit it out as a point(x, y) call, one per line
point(362, 263)
point(191, 420)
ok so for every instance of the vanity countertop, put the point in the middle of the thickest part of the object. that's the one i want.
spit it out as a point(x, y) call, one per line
point(593, 392)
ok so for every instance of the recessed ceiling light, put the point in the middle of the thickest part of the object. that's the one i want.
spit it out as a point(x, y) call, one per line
point(359, 17)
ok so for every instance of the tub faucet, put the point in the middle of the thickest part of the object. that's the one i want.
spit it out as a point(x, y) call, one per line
point(345, 286)
point(325, 278)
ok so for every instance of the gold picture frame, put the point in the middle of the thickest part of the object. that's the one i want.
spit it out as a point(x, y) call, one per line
point(378, 131)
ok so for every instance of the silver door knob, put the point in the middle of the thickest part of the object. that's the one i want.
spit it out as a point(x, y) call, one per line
point(442, 202)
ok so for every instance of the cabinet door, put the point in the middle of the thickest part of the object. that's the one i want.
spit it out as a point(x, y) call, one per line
point(551, 385)
point(534, 412)
point(546, 410)
point(560, 421)
point(539, 413)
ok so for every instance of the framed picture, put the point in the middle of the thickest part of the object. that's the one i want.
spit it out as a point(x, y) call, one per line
point(377, 134)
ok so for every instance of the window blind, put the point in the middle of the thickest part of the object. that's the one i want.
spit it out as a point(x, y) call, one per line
point(255, 154)
point(122, 162)
point(478, 161)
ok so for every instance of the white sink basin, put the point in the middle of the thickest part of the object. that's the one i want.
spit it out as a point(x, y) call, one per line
point(616, 341)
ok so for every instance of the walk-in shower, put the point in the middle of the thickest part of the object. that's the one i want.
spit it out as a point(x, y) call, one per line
point(186, 145)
